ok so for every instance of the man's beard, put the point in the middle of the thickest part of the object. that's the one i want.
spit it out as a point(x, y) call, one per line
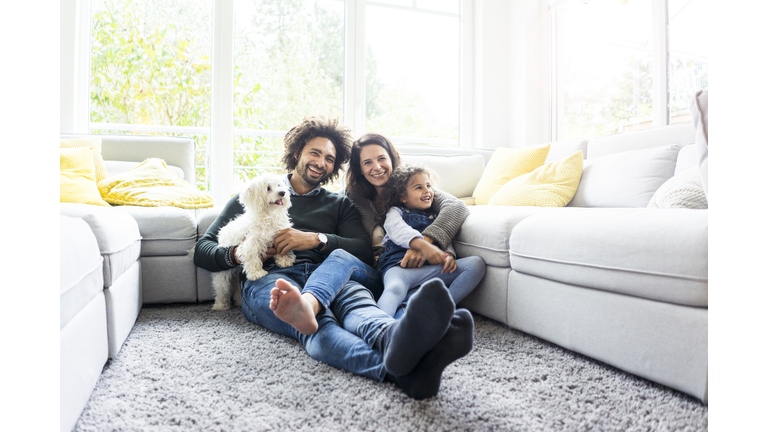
point(302, 169)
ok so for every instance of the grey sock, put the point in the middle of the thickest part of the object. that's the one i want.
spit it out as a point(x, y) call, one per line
point(424, 380)
point(425, 322)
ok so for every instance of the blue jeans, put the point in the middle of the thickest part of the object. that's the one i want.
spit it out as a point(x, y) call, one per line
point(398, 281)
point(339, 268)
point(331, 344)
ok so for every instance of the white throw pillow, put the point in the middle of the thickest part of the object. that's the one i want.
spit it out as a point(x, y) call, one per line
point(700, 116)
point(681, 191)
point(456, 174)
point(626, 179)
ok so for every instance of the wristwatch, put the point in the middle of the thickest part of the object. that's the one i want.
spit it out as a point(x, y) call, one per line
point(323, 241)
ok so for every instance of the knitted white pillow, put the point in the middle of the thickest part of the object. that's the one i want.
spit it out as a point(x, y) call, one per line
point(681, 191)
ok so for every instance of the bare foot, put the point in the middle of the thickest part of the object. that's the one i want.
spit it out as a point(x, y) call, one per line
point(288, 304)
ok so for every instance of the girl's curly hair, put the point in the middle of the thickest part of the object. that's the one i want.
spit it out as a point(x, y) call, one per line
point(313, 127)
point(397, 187)
point(356, 180)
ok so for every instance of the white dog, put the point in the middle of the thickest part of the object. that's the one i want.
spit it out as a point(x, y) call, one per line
point(266, 200)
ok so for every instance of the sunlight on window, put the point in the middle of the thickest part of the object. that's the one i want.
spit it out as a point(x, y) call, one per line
point(688, 56)
point(151, 70)
point(604, 67)
point(289, 63)
point(412, 70)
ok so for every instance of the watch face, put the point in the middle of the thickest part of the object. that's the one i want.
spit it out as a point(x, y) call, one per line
point(323, 238)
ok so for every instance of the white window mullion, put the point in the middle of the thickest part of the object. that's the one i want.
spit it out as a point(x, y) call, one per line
point(354, 66)
point(222, 97)
point(466, 95)
point(660, 71)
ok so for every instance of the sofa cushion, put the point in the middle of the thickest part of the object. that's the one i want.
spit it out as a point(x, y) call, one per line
point(626, 179)
point(506, 164)
point(486, 230)
point(93, 143)
point(456, 174)
point(152, 184)
point(118, 167)
point(684, 190)
point(81, 277)
point(648, 253)
point(165, 231)
point(550, 185)
point(77, 178)
point(116, 233)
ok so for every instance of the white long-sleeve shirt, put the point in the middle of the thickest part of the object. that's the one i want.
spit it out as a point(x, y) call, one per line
point(400, 233)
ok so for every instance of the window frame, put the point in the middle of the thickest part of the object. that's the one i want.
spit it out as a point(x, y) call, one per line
point(660, 68)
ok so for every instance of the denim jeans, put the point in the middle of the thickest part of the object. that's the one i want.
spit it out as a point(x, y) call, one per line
point(339, 268)
point(331, 344)
point(398, 281)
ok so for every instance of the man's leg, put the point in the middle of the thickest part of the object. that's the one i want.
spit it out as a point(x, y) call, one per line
point(403, 342)
point(299, 309)
point(331, 344)
point(360, 316)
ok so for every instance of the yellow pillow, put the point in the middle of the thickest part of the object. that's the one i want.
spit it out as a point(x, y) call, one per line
point(95, 145)
point(506, 164)
point(152, 184)
point(77, 181)
point(552, 185)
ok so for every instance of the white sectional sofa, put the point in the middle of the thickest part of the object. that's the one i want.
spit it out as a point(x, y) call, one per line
point(605, 276)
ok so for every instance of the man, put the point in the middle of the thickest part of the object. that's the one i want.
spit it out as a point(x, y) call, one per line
point(411, 352)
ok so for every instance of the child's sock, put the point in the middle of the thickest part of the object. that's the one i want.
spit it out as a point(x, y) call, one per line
point(424, 380)
point(425, 322)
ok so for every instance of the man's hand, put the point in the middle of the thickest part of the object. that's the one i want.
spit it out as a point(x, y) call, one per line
point(412, 259)
point(290, 239)
point(450, 263)
point(269, 253)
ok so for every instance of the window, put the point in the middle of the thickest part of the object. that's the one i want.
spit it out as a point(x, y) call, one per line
point(237, 74)
point(611, 67)
point(412, 70)
point(288, 62)
point(151, 70)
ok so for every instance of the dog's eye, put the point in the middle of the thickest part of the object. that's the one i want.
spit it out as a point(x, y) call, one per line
point(269, 188)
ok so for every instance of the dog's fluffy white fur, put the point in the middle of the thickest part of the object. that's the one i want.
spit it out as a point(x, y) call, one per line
point(266, 200)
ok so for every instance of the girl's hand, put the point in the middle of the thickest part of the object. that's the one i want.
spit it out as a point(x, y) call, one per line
point(450, 263)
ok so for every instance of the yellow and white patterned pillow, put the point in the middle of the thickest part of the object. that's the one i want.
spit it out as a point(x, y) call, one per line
point(94, 143)
point(552, 185)
point(152, 184)
point(506, 164)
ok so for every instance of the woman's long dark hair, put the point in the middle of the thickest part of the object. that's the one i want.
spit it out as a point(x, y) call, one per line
point(356, 181)
point(397, 187)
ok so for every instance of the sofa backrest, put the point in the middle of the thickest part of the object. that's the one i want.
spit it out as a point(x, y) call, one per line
point(681, 134)
point(458, 169)
point(175, 151)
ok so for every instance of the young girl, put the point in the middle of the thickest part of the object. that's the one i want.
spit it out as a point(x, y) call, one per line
point(405, 210)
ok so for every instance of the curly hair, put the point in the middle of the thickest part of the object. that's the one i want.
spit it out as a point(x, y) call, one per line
point(356, 181)
point(313, 127)
point(397, 188)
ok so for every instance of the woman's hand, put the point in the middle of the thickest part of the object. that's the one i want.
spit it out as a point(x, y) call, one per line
point(430, 252)
point(412, 259)
point(450, 263)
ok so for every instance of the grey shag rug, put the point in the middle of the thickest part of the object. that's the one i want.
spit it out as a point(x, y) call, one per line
point(187, 368)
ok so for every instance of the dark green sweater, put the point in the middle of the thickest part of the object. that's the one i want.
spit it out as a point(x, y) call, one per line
point(326, 212)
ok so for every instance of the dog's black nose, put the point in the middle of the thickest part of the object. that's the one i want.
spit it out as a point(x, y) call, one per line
point(282, 193)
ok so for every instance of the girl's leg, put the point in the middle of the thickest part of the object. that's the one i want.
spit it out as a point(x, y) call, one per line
point(468, 274)
point(397, 282)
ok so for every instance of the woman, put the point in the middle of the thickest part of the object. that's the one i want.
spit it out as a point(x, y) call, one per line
point(371, 164)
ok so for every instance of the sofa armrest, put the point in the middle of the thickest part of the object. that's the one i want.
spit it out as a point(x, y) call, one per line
point(178, 151)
